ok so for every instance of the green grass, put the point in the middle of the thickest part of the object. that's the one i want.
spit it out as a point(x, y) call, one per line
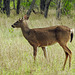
point(16, 54)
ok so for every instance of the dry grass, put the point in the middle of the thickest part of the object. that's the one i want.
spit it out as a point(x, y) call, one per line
point(16, 54)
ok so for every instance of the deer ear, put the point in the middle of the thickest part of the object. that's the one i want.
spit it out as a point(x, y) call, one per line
point(26, 17)
point(20, 20)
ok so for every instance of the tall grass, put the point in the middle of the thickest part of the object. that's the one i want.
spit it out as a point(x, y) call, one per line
point(16, 54)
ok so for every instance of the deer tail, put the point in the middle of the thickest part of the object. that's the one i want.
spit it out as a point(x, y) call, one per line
point(72, 31)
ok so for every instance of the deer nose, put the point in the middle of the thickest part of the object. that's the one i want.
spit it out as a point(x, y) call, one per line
point(13, 26)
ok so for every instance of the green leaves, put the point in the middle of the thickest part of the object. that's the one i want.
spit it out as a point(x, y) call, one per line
point(26, 4)
point(66, 7)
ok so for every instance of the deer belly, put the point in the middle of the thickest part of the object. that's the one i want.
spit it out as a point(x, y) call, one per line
point(46, 38)
point(46, 43)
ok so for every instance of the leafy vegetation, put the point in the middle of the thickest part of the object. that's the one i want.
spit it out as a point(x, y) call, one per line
point(67, 6)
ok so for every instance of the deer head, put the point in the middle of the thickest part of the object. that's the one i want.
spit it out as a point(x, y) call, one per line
point(17, 24)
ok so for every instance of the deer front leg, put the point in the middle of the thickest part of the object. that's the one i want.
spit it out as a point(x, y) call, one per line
point(34, 53)
point(44, 50)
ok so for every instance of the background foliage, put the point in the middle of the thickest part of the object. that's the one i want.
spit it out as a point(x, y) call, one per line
point(66, 5)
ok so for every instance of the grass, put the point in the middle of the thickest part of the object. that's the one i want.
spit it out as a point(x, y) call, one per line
point(16, 54)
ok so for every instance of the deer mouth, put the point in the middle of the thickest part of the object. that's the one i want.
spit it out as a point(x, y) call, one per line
point(13, 26)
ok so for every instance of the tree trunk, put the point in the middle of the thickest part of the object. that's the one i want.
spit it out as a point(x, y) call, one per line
point(18, 6)
point(46, 7)
point(4, 6)
point(8, 7)
point(31, 8)
point(58, 9)
point(14, 4)
point(42, 6)
point(0, 3)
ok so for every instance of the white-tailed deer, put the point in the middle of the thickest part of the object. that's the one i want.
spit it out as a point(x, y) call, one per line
point(41, 37)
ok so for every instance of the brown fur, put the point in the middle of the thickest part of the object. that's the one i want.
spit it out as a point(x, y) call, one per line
point(26, 17)
point(41, 37)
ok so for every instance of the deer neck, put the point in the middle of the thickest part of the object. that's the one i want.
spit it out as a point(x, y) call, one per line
point(25, 30)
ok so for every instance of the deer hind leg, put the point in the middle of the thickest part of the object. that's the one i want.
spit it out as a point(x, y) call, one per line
point(34, 53)
point(70, 56)
point(65, 59)
point(68, 52)
point(44, 50)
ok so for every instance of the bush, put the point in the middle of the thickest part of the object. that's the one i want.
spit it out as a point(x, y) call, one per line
point(66, 7)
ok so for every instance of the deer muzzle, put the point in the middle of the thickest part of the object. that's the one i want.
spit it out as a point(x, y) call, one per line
point(13, 26)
